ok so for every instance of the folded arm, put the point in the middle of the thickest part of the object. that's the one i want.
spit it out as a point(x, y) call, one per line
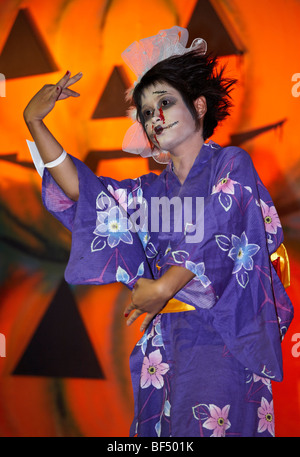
point(151, 295)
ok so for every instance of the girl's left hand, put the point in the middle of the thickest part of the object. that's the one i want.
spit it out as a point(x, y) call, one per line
point(147, 297)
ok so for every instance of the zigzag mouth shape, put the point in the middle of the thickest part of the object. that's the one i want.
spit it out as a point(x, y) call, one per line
point(159, 129)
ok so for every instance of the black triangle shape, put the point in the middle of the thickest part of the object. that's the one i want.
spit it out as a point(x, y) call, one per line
point(155, 166)
point(208, 24)
point(60, 346)
point(112, 102)
point(239, 138)
point(25, 52)
point(13, 158)
point(93, 157)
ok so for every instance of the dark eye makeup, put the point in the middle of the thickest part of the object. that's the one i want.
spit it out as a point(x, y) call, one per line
point(167, 102)
point(164, 103)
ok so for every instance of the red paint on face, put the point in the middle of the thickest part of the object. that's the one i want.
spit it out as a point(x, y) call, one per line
point(161, 115)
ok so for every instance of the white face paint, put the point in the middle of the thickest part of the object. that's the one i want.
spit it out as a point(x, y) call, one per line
point(168, 122)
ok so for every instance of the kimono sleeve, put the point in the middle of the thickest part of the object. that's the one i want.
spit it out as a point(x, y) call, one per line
point(248, 305)
point(104, 247)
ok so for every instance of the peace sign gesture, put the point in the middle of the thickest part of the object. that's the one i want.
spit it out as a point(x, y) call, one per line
point(64, 83)
point(44, 101)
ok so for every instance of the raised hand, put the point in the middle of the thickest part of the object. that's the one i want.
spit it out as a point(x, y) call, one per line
point(44, 100)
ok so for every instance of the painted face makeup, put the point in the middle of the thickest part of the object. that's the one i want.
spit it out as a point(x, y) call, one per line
point(161, 115)
point(166, 117)
point(159, 129)
point(162, 105)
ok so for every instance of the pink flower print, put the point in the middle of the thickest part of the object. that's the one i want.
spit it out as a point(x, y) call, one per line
point(225, 185)
point(120, 195)
point(56, 200)
point(265, 381)
point(218, 421)
point(271, 218)
point(156, 321)
point(266, 416)
point(153, 370)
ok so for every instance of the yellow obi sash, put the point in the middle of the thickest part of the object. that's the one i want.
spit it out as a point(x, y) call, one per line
point(176, 306)
point(280, 261)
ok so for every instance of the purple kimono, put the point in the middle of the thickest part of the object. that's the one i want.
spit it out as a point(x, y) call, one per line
point(205, 371)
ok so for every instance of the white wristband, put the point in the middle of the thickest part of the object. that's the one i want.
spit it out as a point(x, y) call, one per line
point(57, 161)
point(37, 160)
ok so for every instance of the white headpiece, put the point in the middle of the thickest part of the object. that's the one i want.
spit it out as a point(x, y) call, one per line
point(140, 57)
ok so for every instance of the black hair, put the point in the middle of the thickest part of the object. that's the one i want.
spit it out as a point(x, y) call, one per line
point(192, 75)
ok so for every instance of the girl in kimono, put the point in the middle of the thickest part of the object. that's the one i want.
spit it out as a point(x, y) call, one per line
point(214, 308)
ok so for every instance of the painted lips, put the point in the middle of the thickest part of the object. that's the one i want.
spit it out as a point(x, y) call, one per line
point(159, 129)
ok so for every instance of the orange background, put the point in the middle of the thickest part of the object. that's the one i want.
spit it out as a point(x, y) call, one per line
point(89, 37)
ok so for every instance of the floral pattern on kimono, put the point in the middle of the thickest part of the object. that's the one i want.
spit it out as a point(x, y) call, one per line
point(205, 372)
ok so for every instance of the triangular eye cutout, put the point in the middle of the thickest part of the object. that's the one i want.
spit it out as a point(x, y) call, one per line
point(25, 52)
point(210, 23)
point(94, 157)
point(60, 347)
point(112, 102)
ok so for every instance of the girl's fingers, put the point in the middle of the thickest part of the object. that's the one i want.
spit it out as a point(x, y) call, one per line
point(128, 310)
point(66, 81)
point(134, 316)
point(65, 93)
point(146, 321)
point(74, 79)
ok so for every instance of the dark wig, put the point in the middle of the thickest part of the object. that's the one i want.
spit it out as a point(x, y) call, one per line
point(192, 75)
